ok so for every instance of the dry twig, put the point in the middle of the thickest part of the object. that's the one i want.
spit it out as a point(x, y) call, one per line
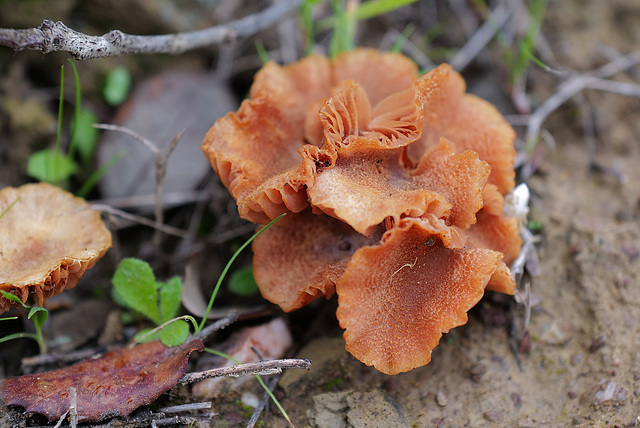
point(481, 37)
point(260, 368)
point(56, 37)
point(576, 84)
point(162, 159)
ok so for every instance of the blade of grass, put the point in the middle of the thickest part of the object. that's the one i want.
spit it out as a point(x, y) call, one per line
point(306, 22)
point(226, 269)
point(346, 20)
point(97, 175)
point(72, 145)
point(267, 390)
point(527, 45)
point(59, 130)
point(9, 207)
point(262, 52)
point(374, 8)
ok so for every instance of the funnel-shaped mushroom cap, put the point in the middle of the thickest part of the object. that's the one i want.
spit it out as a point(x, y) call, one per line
point(267, 152)
point(299, 261)
point(470, 122)
point(396, 299)
point(48, 239)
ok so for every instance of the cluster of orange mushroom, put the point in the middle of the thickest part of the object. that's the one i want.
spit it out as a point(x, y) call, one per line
point(394, 187)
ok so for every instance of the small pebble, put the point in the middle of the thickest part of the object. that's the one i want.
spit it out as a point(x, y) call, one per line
point(494, 416)
point(250, 399)
point(477, 370)
point(556, 333)
point(517, 400)
point(576, 359)
point(598, 343)
point(441, 399)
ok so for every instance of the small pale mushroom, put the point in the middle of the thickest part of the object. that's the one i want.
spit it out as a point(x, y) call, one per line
point(48, 239)
point(394, 185)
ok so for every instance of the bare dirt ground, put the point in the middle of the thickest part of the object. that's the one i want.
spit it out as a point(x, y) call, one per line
point(577, 366)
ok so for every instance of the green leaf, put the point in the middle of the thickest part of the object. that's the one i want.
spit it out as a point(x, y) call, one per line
point(13, 298)
point(170, 298)
point(117, 85)
point(50, 166)
point(38, 315)
point(175, 333)
point(135, 283)
point(85, 136)
point(243, 283)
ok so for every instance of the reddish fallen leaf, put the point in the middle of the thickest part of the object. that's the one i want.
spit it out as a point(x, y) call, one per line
point(115, 384)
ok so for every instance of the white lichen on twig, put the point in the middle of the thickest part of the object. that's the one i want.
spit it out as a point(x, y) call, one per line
point(57, 37)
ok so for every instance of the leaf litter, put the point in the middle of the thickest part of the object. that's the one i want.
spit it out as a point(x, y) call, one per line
point(115, 384)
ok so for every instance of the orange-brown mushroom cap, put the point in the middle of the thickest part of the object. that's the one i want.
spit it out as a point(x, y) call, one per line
point(368, 184)
point(396, 299)
point(48, 239)
point(255, 151)
point(470, 122)
point(299, 261)
point(266, 152)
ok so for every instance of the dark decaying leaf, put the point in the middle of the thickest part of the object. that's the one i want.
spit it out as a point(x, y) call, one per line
point(115, 384)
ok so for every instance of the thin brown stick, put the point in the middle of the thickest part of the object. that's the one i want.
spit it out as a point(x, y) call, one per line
point(161, 161)
point(205, 405)
point(169, 230)
point(260, 368)
point(56, 37)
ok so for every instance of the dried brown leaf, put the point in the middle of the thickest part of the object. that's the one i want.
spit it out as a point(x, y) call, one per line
point(114, 384)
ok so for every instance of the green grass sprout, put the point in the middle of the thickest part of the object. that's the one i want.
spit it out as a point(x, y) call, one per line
point(135, 287)
point(226, 269)
point(264, 386)
point(526, 46)
point(55, 167)
point(346, 21)
point(36, 314)
point(306, 22)
point(262, 52)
